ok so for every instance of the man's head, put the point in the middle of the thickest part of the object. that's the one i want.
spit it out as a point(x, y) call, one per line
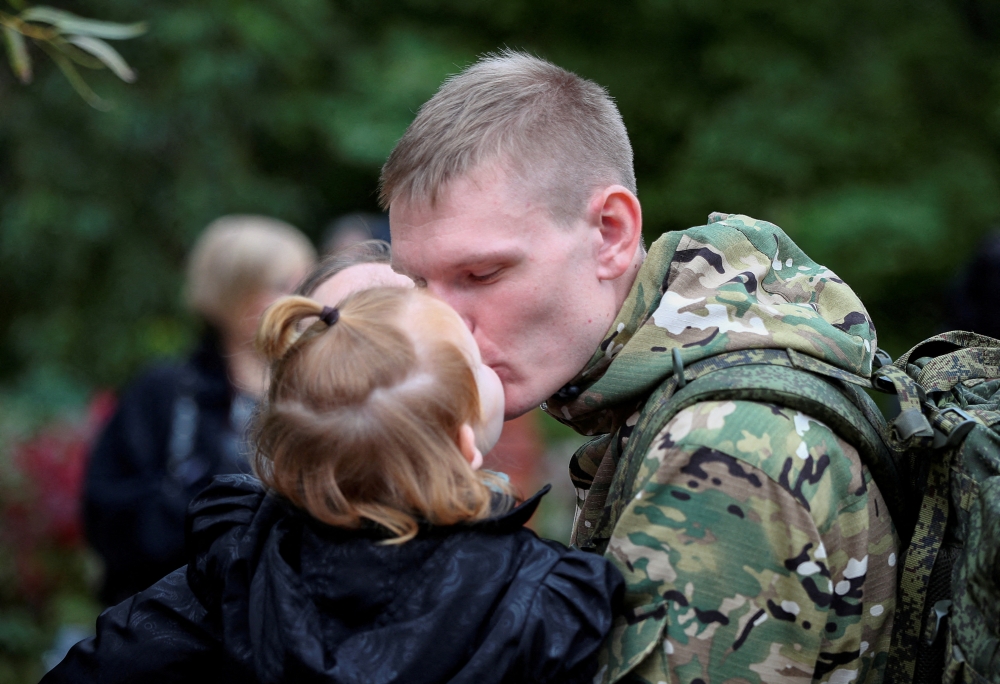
point(560, 135)
point(512, 197)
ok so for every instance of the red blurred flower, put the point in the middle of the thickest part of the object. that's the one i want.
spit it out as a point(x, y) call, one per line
point(41, 512)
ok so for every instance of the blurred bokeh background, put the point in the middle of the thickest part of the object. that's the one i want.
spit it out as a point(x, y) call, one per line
point(869, 131)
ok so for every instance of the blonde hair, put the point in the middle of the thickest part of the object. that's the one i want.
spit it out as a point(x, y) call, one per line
point(241, 255)
point(561, 133)
point(361, 420)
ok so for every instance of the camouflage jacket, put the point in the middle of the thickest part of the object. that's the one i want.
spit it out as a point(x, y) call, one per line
point(755, 546)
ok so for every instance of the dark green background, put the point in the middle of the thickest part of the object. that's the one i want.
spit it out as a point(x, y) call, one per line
point(869, 131)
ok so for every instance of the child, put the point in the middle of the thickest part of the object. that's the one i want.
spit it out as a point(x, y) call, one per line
point(375, 551)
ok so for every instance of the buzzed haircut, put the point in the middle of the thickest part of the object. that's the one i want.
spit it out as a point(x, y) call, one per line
point(561, 134)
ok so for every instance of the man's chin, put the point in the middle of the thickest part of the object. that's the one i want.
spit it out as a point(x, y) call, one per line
point(519, 400)
point(512, 411)
point(516, 406)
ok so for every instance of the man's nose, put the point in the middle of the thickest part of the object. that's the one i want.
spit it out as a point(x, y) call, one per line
point(455, 301)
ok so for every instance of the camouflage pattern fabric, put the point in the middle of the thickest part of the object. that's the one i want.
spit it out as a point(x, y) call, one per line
point(948, 618)
point(754, 543)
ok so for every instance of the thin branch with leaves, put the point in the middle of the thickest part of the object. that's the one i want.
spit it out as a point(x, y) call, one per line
point(71, 41)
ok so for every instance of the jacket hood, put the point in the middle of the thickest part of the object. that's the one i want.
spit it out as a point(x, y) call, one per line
point(296, 600)
point(736, 283)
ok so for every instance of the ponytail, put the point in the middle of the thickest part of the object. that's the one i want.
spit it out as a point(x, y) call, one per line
point(279, 326)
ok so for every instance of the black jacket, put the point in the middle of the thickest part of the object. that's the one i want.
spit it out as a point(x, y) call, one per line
point(272, 595)
point(174, 430)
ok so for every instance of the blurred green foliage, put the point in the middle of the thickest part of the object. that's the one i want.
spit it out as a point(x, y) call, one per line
point(869, 131)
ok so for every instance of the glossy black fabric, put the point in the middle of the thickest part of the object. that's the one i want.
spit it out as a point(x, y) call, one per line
point(271, 595)
point(133, 513)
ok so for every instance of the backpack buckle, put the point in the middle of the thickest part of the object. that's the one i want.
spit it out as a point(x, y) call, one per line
point(911, 423)
point(948, 430)
point(880, 358)
point(941, 610)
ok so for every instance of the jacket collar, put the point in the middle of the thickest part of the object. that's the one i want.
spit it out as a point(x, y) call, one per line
point(515, 517)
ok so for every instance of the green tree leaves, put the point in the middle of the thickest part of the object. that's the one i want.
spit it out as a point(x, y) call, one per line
point(17, 54)
point(68, 24)
point(69, 40)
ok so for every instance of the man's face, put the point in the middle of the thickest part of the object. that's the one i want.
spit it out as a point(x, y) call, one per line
point(526, 286)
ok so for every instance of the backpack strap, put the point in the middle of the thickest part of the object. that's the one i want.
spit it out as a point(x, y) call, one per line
point(783, 377)
point(921, 554)
point(947, 343)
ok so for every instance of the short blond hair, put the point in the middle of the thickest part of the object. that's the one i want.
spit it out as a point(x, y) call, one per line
point(361, 423)
point(562, 134)
point(239, 256)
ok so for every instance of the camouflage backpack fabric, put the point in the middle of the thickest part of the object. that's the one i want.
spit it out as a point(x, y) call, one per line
point(946, 444)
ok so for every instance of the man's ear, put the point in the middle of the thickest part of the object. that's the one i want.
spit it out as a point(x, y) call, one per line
point(616, 210)
point(467, 445)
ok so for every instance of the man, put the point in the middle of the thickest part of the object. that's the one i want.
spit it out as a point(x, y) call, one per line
point(755, 545)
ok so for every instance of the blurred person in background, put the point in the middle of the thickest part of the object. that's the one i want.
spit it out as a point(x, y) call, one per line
point(180, 424)
point(354, 228)
point(972, 300)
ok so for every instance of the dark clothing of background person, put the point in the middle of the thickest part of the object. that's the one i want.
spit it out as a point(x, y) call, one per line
point(272, 595)
point(176, 427)
point(971, 303)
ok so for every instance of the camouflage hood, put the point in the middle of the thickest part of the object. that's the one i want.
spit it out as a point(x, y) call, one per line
point(736, 283)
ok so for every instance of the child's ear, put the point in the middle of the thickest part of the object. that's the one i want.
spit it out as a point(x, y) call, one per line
point(467, 445)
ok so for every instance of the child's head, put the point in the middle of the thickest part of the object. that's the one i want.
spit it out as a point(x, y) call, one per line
point(383, 415)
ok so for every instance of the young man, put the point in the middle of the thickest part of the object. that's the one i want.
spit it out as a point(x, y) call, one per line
point(755, 545)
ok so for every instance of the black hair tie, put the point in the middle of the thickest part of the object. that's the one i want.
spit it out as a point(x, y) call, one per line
point(329, 315)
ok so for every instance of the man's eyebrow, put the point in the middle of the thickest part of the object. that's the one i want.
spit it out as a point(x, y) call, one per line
point(497, 256)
